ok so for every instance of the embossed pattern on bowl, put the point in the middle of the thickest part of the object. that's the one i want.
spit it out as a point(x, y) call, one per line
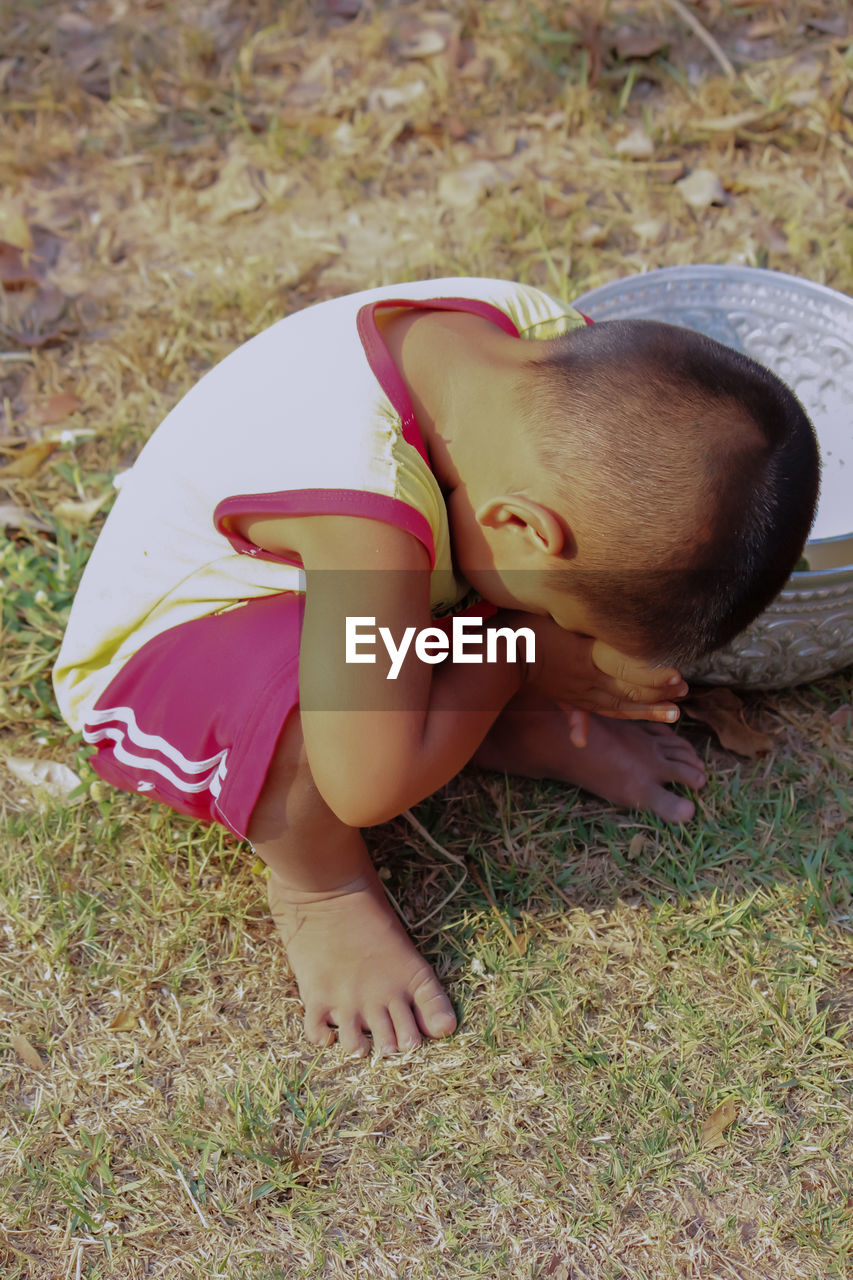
point(804, 333)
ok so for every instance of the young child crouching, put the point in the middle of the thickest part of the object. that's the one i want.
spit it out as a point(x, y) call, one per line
point(631, 493)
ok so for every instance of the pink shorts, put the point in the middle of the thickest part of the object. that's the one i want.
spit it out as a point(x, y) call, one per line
point(193, 718)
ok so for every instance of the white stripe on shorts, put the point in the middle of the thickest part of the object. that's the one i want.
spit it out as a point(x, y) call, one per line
point(152, 752)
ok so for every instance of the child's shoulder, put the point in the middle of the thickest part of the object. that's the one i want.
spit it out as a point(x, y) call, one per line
point(528, 306)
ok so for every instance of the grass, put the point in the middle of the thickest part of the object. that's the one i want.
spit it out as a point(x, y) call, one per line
point(190, 175)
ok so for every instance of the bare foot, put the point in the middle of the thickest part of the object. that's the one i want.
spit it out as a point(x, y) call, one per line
point(628, 762)
point(358, 973)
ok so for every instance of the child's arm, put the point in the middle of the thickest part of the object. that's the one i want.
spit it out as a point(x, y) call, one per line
point(376, 746)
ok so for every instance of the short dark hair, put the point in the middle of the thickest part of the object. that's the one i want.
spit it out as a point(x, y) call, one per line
point(707, 472)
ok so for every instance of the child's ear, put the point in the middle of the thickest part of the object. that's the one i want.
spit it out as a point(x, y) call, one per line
point(537, 525)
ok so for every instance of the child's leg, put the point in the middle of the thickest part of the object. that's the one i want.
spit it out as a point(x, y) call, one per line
point(627, 762)
point(356, 968)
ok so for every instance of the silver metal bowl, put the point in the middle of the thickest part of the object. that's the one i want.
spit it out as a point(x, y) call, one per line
point(804, 333)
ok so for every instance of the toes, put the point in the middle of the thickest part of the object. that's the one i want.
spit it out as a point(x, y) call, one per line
point(351, 1036)
point(670, 807)
point(318, 1031)
point(405, 1027)
point(686, 770)
point(684, 750)
point(432, 1009)
point(382, 1030)
point(659, 730)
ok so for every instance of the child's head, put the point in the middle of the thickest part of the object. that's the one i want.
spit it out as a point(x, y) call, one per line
point(693, 470)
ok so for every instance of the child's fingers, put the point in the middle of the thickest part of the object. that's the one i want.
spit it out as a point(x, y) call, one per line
point(646, 693)
point(621, 708)
point(633, 671)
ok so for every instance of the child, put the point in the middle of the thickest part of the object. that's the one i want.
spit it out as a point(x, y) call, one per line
point(631, 493)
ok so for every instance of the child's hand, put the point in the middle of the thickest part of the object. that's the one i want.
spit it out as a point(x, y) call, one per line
point(589, 675)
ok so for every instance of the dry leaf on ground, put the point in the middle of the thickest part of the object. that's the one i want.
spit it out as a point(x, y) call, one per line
point(431, 34)
point(722, 711)
point(14, 224)
point(636, 146)
point(42, 320)
point(125, 1020)
point(636, 846)
point(234, 193)
point(390, 97)
point(50, 776)
point(711, 1133)
point(465, 187)
point(14, 517)
point(56, 408)
point(638, 44)
point(26, 1052)
point(343, 8)
point(77, 515)
point(702, 188)
point(557, 1269)
point(27, 462)
point(14, 273)
point(843, 716)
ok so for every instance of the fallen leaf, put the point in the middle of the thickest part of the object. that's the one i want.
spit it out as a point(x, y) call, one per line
point(13, 273)
point(390, 97)
point(843, 716)
point(499, 144)
point(14, 517)
point(233, 193)
point(636, 146)
point(125, 1020)
point(636, 846)
point(75, 24)
point(27, 462)
point(423, 44)
point(702, 188)
point(722, 711)
point(649, 230)
point(26, 1052)
point(14, 224)
point(456, 127)
point(729, 123)
point(56, 408)
point(593, 233)
point(476, 69)
point(424, 39)
point(465, 187)
point(829, 26)
point(668, 170)
point(561, 204)
point(763, 27)
point(711, 1134)
point(44, 322)
point(50, 776)
point(557, 1269)
point(77, 515)
point(314, 85)
point(637, 44)
point(343, 8)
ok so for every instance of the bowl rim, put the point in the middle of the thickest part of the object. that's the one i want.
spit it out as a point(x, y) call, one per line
point(845, 569)
point(732, 272)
